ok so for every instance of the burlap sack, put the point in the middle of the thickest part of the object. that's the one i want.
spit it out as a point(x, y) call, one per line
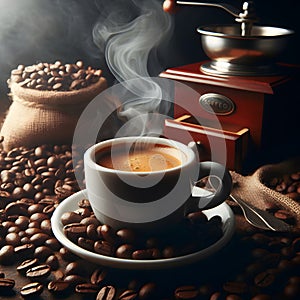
point(254, 188)
point(45, 117)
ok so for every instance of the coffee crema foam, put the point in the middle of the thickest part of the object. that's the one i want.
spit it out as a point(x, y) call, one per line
point(149, 158)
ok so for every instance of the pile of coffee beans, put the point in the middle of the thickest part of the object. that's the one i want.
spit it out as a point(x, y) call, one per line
point(55, 76)
point(288, 184)
point(195, 232)
point(32, 183)
point(256, 265)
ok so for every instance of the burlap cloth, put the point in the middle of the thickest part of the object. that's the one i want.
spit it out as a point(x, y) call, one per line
point(254, 190)
point(45, 117)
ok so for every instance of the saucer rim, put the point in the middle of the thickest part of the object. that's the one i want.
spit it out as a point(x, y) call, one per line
point(71, 204)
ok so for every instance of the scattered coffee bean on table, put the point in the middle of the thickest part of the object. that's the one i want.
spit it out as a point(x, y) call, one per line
point(6, 285)
point(32, 290)
point(256, 265)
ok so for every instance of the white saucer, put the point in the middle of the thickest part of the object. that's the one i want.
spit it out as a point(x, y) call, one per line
point(71, 204)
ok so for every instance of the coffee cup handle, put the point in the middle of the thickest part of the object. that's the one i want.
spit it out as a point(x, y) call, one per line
point(203, 199)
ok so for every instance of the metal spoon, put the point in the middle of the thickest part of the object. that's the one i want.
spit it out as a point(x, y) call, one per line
point(260, 218)
point(255, 216)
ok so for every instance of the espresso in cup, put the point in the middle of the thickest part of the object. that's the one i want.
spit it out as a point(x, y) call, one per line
point(139, 158)
point(147, 183)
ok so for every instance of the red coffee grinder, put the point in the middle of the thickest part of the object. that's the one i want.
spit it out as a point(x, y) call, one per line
point(253, 96)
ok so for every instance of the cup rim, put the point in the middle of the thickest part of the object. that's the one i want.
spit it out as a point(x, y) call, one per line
point(187, 151)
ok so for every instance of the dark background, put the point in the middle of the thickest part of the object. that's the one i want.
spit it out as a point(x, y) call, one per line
point(33, 31)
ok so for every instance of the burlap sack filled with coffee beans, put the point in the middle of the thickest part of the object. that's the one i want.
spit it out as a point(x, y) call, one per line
point(38, 117)
point(271, 186)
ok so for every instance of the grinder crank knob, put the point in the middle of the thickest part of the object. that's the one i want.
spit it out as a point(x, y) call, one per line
point(170, 6)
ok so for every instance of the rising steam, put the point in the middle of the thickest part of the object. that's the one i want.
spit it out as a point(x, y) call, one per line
point(129, 35)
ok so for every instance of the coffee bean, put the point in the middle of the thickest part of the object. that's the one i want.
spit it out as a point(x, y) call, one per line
point(45, 225)
point(264, 279)
point(149, 291)
point(235, 287)
point(197, 217)
point(294, 280)
point(142, 254)
point(135, 284)
point(27, 264)
point(79, 64)
point(53, 262)
point(14, 229)
point(22, 222)
point(42, 252)
point(77, 267)
point(25, 250)
point(62, 192)
point(73, 280)
point(6, 285)
point(35, 208)
point(126, 236)
point(128, 295)
point(38, 272)
point(108, 234)
point(284, 215)
point(7, 255)
point(74, 230)
point(285, 265)
point(17, 208)
point(169, 252)
point(17, 194)
point(38, 217)
point(296, 260)
point(86, 244)
point(92, 232)
point(217, 296)
point(98, 276)
point(106, 293)
point(292, 291)
point(125, 251)
point(7, 188)
point(90, 220)
point(186, 292)
point(84, 203)
point(103, 248)
point(31, 289)
point(53, 244)
point(39, 239)
point(32, 230)
point(13, 239)
point(59, 287)
point(58, 274)
point(87, 288)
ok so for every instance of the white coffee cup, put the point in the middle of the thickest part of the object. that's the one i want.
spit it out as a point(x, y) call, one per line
point(149, 200)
